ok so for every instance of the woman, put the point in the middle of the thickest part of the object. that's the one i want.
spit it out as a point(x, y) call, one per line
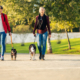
point(4, 26)
point(41, 22)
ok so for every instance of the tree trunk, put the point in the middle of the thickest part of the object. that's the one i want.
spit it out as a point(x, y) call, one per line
point(68, 39)
point(49, 48)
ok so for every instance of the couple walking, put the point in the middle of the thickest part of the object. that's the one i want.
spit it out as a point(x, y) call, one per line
point(41, 22)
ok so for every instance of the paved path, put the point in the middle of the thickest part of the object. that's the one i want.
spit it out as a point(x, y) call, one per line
point(55, 67)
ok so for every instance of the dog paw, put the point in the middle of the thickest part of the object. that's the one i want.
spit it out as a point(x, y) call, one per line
point(34, 59)
point(11, 58)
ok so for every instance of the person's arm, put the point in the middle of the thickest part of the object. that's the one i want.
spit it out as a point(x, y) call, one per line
point(35, 26)
point(48, 25)
point(6, 21)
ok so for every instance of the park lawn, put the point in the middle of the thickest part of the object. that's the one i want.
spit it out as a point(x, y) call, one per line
point(56, 48)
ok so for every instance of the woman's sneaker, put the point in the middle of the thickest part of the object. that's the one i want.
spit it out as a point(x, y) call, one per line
point(2, 58)
point(42, 58)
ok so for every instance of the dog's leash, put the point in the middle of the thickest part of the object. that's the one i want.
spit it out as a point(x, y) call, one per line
point(11, 42)
point(34, 38)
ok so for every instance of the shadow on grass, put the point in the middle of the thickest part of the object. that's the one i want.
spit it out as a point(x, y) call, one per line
point(75, 44)
point(68, 49)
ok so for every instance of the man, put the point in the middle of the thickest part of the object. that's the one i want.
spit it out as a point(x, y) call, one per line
point(4, 26)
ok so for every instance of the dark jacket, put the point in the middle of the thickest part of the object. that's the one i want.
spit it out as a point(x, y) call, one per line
point(42, 30)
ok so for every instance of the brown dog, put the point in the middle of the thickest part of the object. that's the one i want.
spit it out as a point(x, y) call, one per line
point(13, 54)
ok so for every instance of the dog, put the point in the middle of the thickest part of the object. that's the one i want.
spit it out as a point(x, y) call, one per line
point(13, 54)
point(32, 51)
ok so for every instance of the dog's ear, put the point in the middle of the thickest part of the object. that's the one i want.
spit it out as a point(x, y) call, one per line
point(11, 49)
point(15, 50)
point(31, 45)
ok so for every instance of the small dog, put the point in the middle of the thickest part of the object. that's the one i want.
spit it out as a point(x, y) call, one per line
point(32, 51)
point(13, 54)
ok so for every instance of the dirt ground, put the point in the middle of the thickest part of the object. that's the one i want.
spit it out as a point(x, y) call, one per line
point(55, 67)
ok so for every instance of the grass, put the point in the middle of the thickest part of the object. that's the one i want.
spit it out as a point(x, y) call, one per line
point(56, 48)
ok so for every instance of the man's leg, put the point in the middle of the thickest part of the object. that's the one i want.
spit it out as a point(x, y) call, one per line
point(3, 37)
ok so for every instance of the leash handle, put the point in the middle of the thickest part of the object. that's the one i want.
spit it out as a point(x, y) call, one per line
point(11, 41)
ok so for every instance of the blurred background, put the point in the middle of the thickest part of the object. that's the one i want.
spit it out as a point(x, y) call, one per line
point(64, 17)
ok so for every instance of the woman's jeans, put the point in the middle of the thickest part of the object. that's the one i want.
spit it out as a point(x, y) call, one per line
point(41, 41)
point(2, 43)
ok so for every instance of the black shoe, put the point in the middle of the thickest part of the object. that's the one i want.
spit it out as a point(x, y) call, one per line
point(40, 56)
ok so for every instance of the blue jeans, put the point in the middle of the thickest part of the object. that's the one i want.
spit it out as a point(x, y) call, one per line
point(41, 42)
point(2, 43)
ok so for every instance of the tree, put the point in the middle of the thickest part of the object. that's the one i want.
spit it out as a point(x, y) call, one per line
point(20, 12)
point(66, 12)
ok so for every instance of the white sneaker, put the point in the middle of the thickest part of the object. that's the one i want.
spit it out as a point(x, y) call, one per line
point(2, 58)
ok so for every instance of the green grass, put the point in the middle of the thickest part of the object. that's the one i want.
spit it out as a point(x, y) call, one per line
point(56, 48)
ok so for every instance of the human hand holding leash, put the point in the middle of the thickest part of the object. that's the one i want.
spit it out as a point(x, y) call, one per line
point(49, 35)
point(34, 35)
point(10, 34)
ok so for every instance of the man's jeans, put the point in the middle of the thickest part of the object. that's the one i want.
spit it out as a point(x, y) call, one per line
point(2, 43)
point(41, 41)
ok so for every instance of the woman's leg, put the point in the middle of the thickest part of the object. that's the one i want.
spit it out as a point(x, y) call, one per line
point(39, 41)
point(3, 37)
point(44, 39)
point(0, 45)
